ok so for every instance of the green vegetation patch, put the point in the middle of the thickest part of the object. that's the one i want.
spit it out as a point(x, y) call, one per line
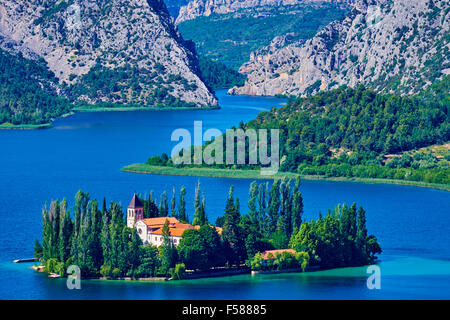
point(27, 92)
point(232, 37)
point(356, 133)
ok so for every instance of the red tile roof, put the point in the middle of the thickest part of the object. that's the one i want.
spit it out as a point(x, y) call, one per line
point(273, 253)
point(160, 221)
point(218, 229)
point(175, 232)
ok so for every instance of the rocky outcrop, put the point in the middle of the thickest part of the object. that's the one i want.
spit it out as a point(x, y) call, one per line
point(388, 45)
point(197, 8)
point(74, 36)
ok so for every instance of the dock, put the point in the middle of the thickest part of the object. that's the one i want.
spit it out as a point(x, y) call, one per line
point(26, 260)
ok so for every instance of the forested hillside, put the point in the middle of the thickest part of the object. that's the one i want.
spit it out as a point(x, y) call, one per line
point(218, 76)
point(28, 92)
point(357, 132)
point(232, 37)
point(333, 133)
point(117, 52)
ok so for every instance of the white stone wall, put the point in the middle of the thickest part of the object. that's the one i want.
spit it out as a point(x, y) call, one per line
point(141, 228)
point(157, 239)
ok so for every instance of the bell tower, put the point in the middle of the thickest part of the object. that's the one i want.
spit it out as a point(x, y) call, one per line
point(135, 211)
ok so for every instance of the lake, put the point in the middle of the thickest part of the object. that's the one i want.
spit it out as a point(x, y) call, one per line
point(86, 151)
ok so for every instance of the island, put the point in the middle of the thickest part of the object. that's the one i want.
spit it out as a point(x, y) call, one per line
point(158, 241)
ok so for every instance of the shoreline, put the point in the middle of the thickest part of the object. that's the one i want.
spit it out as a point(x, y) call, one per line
point(25, 126)
point(196, 274)
point(100, 109)
point(34, 126)
point(124, 109)
point(255, 174)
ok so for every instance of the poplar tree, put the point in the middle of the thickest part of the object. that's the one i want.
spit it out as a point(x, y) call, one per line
point(252, 210)
point(163, 205)
point(173, 211)
point(65, 232)
point(182, 206)
point(203, 216)
point(198, 210)
point(297, 206)
point(274, 206)
point(231, 233)
point(168, 251)
point(262, 204)
point(104, 208)
point(361, 237)
point(285, 224)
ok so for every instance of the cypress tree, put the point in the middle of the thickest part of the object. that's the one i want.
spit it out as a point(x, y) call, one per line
point(197, 221)
point(203, 216)
point(253, 212)
point(163, 205)
point(182, 205)
point(361, 238)
point(173, 211)
point(262, 209)
point(231, 233)
point(274, 206)
point(65, 232)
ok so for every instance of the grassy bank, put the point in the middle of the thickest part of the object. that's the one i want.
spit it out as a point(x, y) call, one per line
point(255, 174)
point(203, 172)
point(138, 108)
point(11, 126)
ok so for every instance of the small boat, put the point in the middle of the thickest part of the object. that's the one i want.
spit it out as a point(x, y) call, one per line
point(54, 275)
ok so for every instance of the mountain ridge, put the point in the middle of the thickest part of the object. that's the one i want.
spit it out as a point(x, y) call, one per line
point(135, 40)
point(400, 46)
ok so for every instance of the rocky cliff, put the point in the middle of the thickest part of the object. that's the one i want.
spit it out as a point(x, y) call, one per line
point(120, 51)
point(399, 45)
point(196, 8)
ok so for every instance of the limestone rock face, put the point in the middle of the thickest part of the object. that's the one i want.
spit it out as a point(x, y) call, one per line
point(399, 45)
point(197, 8)
point(74, 36)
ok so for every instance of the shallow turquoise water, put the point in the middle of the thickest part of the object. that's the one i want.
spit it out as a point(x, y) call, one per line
point(87, 151)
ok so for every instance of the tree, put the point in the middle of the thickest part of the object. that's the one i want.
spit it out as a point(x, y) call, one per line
point(274, 206)
point(163, 205)
point(173, 203)
point(297, 207)
point(213, 246)
point(192, 251)
point(373, 247)
point(182, 206)
point(199, 208)
point(94, 237)
point(150, 262)
point(252, 210)
point(65, 232)
point(361, 238)
point(285, 221)
point(168, 251)
point(104, 208)
point(263, 220)
point(179, 271)
point(279, 240)
point(37, 250)
point(232, 233)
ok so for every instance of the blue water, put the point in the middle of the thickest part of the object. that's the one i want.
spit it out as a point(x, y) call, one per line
point(87, 150)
